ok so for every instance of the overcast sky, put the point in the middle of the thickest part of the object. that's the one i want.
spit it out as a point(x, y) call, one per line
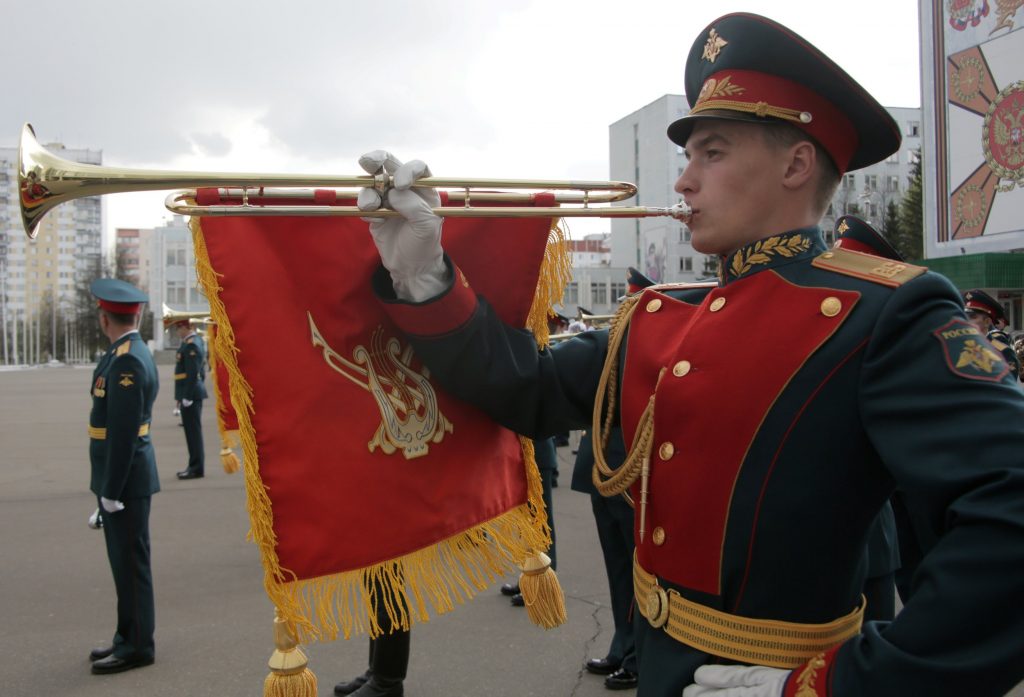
point(476, 88)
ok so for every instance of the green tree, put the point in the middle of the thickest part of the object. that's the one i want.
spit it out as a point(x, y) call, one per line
point(891, 223)
point(910, 240)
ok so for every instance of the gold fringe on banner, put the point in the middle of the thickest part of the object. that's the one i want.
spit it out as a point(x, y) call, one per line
point(228, 458)
point(440, 575)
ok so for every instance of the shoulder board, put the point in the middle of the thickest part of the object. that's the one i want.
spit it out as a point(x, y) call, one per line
point(998, 344)
point(868, 267)
point(123, 348)
point(190, 340)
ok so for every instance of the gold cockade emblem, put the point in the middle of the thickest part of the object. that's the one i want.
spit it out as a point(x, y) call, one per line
point(978, 356)
point(713, 46)
point(410, 417)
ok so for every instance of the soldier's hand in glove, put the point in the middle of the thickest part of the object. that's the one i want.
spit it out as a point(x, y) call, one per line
point(737, 681)
point(96, 520)
point(110, 505)
point(410, 245)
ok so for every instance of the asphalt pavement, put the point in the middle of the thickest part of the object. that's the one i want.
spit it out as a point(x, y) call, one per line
point(213, 619)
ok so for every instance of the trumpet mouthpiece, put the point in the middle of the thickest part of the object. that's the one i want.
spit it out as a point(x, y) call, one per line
point(681, 211)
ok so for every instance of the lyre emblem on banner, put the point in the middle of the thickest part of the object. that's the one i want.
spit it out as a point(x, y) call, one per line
point(410, 417)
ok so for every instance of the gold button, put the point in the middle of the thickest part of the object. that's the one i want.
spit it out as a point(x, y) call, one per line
point(654, 305)
point(666, 450)
point(658, 536)
point(717, 304)
point(829, 255)
point(831, 306)
point(681, 368)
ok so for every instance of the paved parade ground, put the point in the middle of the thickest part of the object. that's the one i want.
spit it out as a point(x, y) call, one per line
point(213, 618)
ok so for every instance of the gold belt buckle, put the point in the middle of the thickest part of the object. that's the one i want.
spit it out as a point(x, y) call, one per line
point(657, 606)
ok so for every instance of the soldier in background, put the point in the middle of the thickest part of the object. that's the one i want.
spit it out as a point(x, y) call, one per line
point(986, 314)
point(189, 393)
point(124, 475)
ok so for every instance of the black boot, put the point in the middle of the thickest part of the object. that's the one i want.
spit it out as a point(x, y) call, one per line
point(347, 688)
point(380, 687)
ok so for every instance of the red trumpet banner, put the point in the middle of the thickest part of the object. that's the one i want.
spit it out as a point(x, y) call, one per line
point(360, 470)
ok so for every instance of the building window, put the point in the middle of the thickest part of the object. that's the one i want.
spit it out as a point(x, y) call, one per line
point(684, 234)
point(572, 293)
point(686, 264)
point(175, 257)
point(892, 183)
point(600, 294)
point(914, 128)
point(871, 182)
point(894, 158)
point(850, 181)
point(176, 293)
point(618, 289)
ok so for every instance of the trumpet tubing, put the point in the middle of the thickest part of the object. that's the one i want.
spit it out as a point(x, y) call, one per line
point(46, 180)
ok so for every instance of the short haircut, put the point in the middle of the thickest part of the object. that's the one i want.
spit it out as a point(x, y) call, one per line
point(123, 319)
point(783, 135)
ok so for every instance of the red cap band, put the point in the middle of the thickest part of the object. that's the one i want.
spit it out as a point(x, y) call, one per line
point(120, 308)
point(761, 94)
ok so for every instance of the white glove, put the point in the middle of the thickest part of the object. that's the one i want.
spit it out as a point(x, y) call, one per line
point(186, 402)
point(95, 522)
point(410, 245)
point(111, 506)
point(737, 681)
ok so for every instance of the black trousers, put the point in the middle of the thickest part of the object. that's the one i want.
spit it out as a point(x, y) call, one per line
point(614, 519)
point(191, 419)
point(127, 536)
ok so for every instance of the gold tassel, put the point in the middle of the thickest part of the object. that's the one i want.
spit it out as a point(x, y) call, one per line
point(230, 461)
point(542, 594)
point(289, 675)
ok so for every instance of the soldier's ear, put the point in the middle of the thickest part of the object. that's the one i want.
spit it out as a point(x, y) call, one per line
point(801, 165)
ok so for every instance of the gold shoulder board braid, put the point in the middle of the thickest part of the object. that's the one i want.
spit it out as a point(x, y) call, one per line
point(888, 272)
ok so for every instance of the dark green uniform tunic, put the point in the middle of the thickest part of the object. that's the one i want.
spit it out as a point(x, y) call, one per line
point(189, 385)
point(124, 387)
point(790, 401)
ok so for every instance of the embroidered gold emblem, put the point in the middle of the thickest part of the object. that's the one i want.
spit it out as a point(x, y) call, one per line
point(716, 89)
point(805, 683)
point(713, 47)
point(126, 380)
point(410, 417)
point(762, 252)
point(978, 356)
point(843, 227)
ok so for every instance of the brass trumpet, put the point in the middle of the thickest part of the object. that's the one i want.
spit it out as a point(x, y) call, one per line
point(194, 317)
point(46, 180)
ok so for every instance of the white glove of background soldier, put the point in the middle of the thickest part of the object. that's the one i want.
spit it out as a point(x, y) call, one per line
point(737, 681)
point(410, 245)
point(110, 505)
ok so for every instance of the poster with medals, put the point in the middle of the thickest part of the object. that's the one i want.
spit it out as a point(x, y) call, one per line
point(973, 102)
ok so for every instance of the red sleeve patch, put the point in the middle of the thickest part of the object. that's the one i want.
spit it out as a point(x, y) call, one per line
point(968, 353)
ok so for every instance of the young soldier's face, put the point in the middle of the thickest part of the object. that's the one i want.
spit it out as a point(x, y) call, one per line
point(732, 182)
